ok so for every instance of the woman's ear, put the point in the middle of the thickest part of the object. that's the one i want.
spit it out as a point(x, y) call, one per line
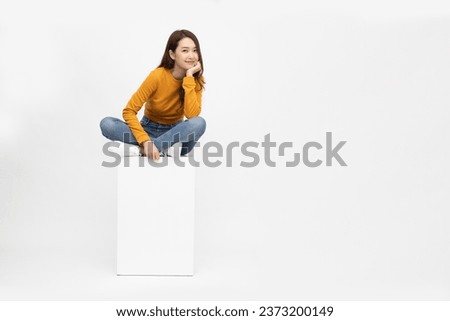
point(172, 54)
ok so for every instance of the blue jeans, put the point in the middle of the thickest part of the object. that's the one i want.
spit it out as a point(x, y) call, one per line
point(163, 136)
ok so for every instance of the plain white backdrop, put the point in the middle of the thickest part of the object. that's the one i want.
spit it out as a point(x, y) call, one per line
point(376, 75)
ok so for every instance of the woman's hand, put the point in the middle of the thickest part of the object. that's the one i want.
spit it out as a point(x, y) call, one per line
point(150, 150)
point(197, 67)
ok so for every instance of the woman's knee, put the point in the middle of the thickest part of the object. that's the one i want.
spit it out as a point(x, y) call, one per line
point(199, 124)
point(106, 125)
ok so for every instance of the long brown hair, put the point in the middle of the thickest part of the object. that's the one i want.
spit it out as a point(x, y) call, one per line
point(172, 44)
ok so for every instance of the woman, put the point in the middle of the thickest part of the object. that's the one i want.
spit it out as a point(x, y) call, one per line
point(170, 92)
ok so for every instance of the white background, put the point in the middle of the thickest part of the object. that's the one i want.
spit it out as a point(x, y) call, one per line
point(375, 74)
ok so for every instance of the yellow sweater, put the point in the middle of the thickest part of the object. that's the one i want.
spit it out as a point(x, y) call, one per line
point(160, 93)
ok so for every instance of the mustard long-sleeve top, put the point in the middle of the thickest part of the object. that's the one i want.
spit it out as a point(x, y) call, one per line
point(160, 93)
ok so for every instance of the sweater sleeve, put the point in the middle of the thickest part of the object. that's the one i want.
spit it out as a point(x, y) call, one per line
point(192, 97)
point(129, 113)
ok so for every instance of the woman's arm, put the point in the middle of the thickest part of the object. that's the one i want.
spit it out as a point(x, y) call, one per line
point(192, 97)
point(129, 113)
point(192, 93)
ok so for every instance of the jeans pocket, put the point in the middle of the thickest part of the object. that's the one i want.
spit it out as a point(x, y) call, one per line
point(145, 121)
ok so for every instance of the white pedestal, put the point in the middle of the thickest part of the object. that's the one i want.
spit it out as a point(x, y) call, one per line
point(155, 230)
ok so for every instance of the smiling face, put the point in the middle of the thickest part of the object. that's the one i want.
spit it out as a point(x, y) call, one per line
point(185, 56)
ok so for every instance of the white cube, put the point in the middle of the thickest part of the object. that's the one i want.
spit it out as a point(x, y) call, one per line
point(155, 230)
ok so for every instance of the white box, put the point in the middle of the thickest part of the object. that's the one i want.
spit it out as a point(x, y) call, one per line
point(155, 228)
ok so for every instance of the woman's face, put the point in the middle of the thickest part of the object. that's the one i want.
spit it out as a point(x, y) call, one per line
point(185, 56)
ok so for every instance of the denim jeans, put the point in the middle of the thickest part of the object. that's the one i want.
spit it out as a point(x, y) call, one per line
point(188, 132)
